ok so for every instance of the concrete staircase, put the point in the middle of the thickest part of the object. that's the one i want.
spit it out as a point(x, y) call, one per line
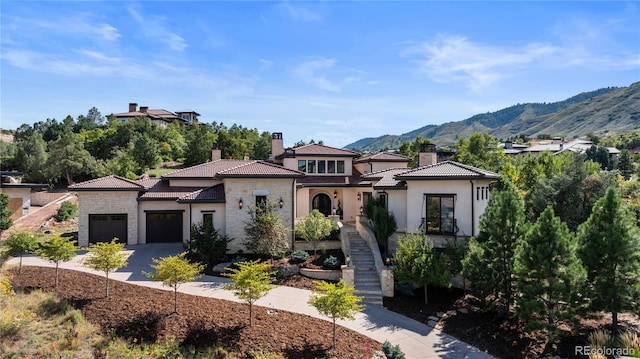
point(367, 280)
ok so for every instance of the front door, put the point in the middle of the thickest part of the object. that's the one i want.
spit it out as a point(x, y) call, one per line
point(322, 203)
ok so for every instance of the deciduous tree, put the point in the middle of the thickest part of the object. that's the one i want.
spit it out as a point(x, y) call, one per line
point(610, 251)
point(415, 262)
point(20, 243)
point(106, 257)
point(314, 227)
point(266, 234)
point(250, 282)
point(173, 271)
point(57, 249)
point(336, 301)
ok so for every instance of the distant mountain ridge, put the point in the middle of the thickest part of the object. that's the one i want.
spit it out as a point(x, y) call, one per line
point(607, 110)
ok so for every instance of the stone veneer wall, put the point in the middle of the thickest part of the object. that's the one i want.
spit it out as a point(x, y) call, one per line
point(108, 202)
point(244, 188)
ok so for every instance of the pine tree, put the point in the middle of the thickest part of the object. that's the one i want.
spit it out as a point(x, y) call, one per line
point(549, 276)
point(610, 251)
point(502, 228)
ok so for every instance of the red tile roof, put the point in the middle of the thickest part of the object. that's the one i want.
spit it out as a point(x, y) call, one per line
point(162, 191)
point(383, 157)
point(259, 169)
point(447, 170)
point(387, 178)
point(109, 183)
point(319, 150)
point(205, 170)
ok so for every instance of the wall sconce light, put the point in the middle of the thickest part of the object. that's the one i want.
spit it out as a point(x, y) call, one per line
point(240, 203)
point(361, 210)
point(281, 203)
point(335, 194)
point(358, 196)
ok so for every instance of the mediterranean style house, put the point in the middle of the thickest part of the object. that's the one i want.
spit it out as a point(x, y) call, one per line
point(159, 117)
point(442, 199)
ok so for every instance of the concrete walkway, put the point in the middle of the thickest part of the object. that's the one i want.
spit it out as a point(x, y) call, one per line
point(417, 340)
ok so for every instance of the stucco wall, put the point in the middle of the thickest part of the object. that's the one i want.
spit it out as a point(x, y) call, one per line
point(108, 202)
point(219, 216)
point(397, 204)
point(169, 205)
point(292, 163)
point(303, 202)
point(244, 188)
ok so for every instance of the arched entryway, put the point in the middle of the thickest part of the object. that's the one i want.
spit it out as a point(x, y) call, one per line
point(322, 203)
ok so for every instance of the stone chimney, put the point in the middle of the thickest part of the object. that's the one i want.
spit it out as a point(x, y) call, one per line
point(133, 107)
point(427, 155)
point(277, 146)
point(144, 109)
point(216, 153)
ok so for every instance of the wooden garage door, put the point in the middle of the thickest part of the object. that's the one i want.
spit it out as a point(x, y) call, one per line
point(104, 227)
point(164, 226)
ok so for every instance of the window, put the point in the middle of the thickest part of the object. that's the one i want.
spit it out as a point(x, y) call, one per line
point(440, 214)
point(311, 166)
point(322, 166)
point(340, 166)
point(302, 165)
point(331, 166)
point(261, 201)
point(207, 220)
point(384, 199)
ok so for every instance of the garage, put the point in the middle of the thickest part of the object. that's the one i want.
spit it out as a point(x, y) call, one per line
point(164, 226)
point(105, 227)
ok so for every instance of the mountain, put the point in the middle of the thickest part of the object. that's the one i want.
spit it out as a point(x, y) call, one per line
point(607, 110)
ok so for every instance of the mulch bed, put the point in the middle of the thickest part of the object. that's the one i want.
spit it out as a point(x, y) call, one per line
point(147, 313)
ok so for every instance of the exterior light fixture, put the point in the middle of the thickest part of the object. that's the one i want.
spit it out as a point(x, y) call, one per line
point(361, 210)
point(240, 203)
point(281, 203)
point(358, 196)
point(335, 194)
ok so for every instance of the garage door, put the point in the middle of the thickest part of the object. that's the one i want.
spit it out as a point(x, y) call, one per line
point(164, 226)
point(105, 227)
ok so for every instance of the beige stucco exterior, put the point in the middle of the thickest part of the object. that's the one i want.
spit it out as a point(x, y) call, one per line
point(170, 205)
point(108, 202)
point(292, 163)
point(19, 200)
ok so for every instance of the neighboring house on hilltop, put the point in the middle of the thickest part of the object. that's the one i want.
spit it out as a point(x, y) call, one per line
point(555, 146)
point(158, 117)
point(443, 199)
point(19, 192)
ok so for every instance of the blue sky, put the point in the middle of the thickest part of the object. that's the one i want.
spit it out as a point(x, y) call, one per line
point(331, 71)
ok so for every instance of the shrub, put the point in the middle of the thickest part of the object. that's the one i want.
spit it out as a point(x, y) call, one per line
point(145, 328)
point(13, 320)
point(331, 263)
point(206, 245)
point(299, 256)
point(392, 351)
point(199, 335)
point(238, 259)
point(66, 211)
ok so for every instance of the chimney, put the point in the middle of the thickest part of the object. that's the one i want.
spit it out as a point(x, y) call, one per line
point(508, 145)
point(277, 146)
point(133, 107)
point(216, 153)
point(427, 155)
point(144, 109)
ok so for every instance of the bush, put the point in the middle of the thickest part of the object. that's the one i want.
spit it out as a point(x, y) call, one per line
point(206, 245)
point(66, 211)
point(145, 328)
point(199, 335)
point(13, 320)
point(331, 263)
point(299, 256)
point(392, 351)
point(238, 259)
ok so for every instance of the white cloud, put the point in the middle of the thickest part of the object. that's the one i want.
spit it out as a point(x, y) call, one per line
point(151, 27)
point(454, 58)
point(265, 64)
point(299, 13)
point(314, 72)
point(74, 24)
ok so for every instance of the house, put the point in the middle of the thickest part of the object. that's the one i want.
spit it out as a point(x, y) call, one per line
point(159, 117)
point(19, 192)
point(556, 145)
point(443, 199)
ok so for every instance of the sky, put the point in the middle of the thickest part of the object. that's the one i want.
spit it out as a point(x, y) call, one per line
point(334, 71)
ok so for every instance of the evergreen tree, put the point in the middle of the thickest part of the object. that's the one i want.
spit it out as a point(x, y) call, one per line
point(200, 141)
point(68, 158)
point(610, 251)
point(266, 234)
point(502, 228)
point(31, 156)
point(549, 276)
point(625, 164)
point(5, 213)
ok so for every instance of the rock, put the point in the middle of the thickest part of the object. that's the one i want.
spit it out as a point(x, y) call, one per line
point(432, 323)
point(463, 310)
point(221, 267)
point(289, 270)
point(431, 317)
point(452, 313)
point(378, 355)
